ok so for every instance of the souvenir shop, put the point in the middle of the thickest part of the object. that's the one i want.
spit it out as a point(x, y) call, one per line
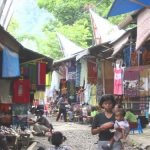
point(22, 75)
point(83, 80)
point(132, 75)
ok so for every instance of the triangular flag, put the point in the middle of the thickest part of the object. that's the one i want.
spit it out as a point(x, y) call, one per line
point(103, 30)
point(68, 47)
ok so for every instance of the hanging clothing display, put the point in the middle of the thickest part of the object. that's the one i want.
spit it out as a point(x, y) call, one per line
point(83, 73)
point(63, 70)
point(87, 92)
point(21, 91)
point(55, 84)
point(93, 95)
point(63, 86)
point(78, 70)
point(71, 70)
point(134, 58)
point(99, 69)
point(131, 83)
point(10, 64)
point(48, 79)
point(92, 71)
point(144, 82)
point(99, 91)
point(118, 81)
point(146, 57)
point(71, 90)
point(41, 73)
point(5, 91)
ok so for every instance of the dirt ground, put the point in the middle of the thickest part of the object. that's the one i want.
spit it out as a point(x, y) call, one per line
point(78, 136)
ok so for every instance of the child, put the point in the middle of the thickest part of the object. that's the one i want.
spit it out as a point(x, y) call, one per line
point(122, 129)
point(57, 139)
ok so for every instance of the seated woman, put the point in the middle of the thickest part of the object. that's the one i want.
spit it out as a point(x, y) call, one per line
point(42, 125)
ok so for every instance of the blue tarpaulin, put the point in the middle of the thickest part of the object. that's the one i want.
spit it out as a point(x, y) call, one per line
point(125, 6)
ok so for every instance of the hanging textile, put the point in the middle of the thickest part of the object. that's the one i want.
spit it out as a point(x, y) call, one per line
point(134, 58)
point(41, 76)
point(63, 86)
point(62, 70)
point(41, 73)
point(21, 91)
point(144, 82)
point(25, 71)
point(131, 83)
point(78, 70)
point(146, 57)
point(5, 91)
point(48, 79)
point(0, 63)
point(99, 91)
point(71, 90)
point(71, 65)
point(87, 93)
point(83, 73)
point(93, 95)
point(10, 64)
point(118, 81)
point(92, 71)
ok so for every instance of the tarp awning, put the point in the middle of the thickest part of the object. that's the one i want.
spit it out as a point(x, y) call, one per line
point(125, 6)
point(119, 44)
point(143, 28)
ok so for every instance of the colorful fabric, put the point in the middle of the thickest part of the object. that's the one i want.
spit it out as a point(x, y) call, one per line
point(63, 86)
point(144, 82)
point(83, 73)
point(48, 79)
point(131, 83)
point(93, 101)
point(55, 84)
point(71, 65)
point(5, 88)
point(87, 93)
point(41, 73)
point(99, 69)
point(118, 81)
point(92, 71)
point(21, 91)
point(78, 70)
point(10, 64)
point(71, 89)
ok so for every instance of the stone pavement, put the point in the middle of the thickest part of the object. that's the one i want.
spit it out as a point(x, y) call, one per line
point(140, 140)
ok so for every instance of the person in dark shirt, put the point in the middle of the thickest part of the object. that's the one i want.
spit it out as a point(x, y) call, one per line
point(104, 122)
point(42, 125)
point(62, 108)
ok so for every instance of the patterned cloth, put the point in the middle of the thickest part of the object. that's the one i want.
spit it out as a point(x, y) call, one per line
point(131, 83)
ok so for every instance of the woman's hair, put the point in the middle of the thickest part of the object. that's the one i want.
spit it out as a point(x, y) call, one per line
point(57, 138)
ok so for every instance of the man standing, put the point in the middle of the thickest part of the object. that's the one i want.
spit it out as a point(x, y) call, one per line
point(62, 107)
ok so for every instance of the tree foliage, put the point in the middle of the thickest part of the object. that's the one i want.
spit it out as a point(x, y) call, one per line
point(72, 20)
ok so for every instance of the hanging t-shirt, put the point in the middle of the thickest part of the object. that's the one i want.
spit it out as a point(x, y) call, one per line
point(118, 89)
point(21, 91)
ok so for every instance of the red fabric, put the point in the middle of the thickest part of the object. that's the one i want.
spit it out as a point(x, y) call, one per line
point(21, 91)
point(41, 73)
point(92, 71)
point(5, 108)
